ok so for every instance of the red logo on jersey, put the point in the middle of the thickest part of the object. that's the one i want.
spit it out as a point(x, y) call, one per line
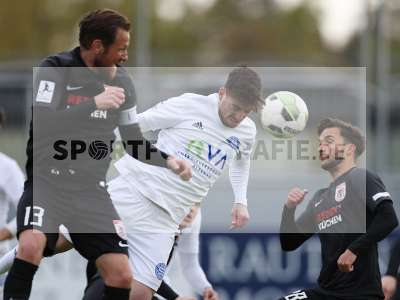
point(76, 99)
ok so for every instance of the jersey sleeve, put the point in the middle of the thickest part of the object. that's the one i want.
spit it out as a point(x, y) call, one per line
point(48, 85)
point(306, 221)
point(128, 111)
point(164, 115)
point(376, 191)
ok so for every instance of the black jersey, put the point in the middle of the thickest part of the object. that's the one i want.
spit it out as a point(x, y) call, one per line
point(68, 133)
point(340, 214)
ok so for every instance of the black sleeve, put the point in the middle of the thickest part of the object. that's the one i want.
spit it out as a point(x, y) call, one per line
point(376, 192)
point(135, 144)
point(48, 91)
point(166, 291)
point(383, 223)
point(294, 233)
point(139, 148)
point(394, 260)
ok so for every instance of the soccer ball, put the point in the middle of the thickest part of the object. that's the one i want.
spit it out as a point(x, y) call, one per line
point(284, 115)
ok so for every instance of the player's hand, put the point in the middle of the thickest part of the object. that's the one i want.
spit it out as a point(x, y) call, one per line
point(240, 216)
point(112, 98)
point(295, 197)
point(346, 261)
point(389, 284)
point(180, 167)
point(185, 298)
point(5, 234)
point(210, 294)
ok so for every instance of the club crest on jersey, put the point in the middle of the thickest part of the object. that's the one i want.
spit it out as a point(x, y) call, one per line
point(120, 229)
point(233, 142)
point(340, 193)
point(160, 270)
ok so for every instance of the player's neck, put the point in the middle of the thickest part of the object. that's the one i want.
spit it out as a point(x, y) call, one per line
point(341, 169)
point(88, 58)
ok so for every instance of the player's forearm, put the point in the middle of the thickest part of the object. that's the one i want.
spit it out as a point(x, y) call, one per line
point(394, 261)
point(290, 236)
point(139, 148)
point(239, 177)
point(382, 225)
point(5, 234)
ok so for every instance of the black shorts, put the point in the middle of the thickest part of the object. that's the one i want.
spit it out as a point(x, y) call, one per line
point(308, 294)
point(89, 215)
point(317, 294)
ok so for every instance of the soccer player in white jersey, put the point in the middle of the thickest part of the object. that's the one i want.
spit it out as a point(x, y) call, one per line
point(11, 187)
point(212, 132)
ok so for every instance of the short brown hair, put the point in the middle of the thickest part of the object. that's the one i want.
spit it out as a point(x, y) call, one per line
point(350, 133)
point(101, 24)
point(244, 85)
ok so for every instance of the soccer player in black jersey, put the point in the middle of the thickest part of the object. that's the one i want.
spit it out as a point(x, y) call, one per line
point(79, 96)
point(350, 216)
point(390, 280)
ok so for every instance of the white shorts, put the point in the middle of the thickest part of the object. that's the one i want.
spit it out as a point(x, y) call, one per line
point(150, 232)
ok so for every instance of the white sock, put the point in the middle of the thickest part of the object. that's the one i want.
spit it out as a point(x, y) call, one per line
point(7, 260)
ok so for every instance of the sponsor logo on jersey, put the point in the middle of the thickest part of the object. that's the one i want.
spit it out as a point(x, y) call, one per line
point(76, 99)
point(340, 193)
point(329, 217)
point(198, 125)
point(99, 114)
point(208, 152)
point(160, 271)
point(46, 91)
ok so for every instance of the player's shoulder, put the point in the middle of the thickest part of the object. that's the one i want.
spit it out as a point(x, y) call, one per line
point(361, 174)
point(8, 163)
point(69, 58)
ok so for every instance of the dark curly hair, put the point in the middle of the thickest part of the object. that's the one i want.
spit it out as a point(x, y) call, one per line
point(101, 24)
point(350, 133)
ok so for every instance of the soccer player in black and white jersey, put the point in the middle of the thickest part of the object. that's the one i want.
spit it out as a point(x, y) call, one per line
point(82, 94)
point(348, 236)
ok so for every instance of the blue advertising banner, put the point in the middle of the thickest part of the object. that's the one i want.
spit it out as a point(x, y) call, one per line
point(253, 266)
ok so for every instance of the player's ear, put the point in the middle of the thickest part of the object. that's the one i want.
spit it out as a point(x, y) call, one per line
point(351, 150)
point(221, 93)
point(97, 46)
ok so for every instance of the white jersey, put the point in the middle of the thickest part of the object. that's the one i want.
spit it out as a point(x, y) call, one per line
point(191, 129)
point(11, 186)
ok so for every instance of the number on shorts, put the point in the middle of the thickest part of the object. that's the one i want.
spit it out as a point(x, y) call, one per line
point(297, 295)
point(37, 213)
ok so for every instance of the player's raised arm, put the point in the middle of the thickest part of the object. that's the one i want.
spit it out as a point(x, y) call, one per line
point(239, 176)
point(293, 233)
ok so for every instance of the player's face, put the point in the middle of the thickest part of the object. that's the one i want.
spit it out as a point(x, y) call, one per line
point(116, 53)
point(189, 217)
point(333, 149)
point(231, 111)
